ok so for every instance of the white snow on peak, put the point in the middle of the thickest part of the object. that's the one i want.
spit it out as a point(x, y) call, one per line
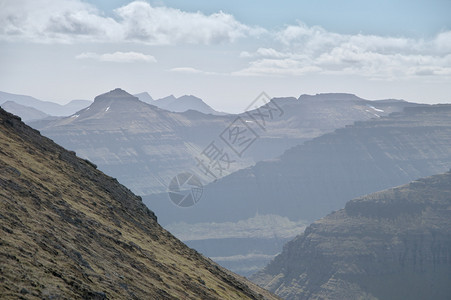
point(75, 116)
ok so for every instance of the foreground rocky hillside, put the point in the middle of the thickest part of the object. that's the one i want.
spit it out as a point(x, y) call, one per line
point(67, 231)
point(394, 244)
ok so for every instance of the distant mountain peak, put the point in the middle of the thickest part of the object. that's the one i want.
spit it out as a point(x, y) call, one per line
point(144, 97)
point(183, 104)
point(117, 93)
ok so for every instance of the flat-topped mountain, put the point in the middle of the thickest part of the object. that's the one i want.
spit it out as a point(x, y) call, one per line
point(393, 244)
point(68, 231)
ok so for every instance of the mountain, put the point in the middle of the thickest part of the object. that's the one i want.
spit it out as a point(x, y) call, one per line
point(47, 107)
point(26, 113)
point(311, 180)
point(318, 176)
point(145, 97)
point(145, 147)
point(393, 244)
point(141, 144)
point(184, 103)
point(68, 231)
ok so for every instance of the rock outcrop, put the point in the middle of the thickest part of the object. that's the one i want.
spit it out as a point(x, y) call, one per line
point(394, 244)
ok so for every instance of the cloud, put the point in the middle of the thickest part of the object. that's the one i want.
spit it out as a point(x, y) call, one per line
point(303, 50)
point(163, 25)
point(70, 21)
point(62, 21)
point(120, 57)
point(190, 70)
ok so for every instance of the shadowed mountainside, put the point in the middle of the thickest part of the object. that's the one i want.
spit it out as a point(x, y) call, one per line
point(394, 244)
point(313, 179)
point(68, 231)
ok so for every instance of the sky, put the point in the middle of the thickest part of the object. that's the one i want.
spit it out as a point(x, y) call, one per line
point(226, 52)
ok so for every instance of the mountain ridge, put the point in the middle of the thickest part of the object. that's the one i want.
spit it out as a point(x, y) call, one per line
point(48, 107)
point(393, 244)
point(27, 113)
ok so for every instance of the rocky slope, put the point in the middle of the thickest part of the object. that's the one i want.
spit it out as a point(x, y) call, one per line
point(394, 244)
point(68, 231)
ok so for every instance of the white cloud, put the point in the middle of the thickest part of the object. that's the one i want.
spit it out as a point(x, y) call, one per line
point(120, 57)
point(163, 25)
point(70, 21)
point(305, 50)
point(190, 70)
point(62, 21)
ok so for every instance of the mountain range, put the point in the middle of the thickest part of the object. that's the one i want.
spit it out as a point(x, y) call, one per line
point(184, 103)
point(394, 244)
point(68, 231)
point(313, 179)
point(46, 107)
point(26, 113)
point(145, 147)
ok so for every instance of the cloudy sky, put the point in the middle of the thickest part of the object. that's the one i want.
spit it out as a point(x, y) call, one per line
point(226, 52)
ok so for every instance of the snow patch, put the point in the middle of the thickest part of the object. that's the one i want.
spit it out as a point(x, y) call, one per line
point(75, 116)
point(107, 108)
point(376, 109)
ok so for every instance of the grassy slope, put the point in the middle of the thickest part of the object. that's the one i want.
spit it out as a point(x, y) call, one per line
point(69, 231)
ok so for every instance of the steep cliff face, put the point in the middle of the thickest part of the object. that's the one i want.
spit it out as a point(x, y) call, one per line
point(313, 179)
point(68, 231)
point(394, 244)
